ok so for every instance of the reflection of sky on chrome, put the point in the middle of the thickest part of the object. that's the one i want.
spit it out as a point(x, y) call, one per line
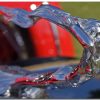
point(83, 91)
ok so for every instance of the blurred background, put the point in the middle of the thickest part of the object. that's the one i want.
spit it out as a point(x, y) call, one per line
point(44, 41)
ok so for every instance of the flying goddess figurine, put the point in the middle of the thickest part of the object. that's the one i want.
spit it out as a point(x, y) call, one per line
point(86, 31)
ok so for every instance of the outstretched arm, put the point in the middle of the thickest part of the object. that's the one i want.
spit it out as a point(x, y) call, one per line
point(26, 19)
point(65, 20)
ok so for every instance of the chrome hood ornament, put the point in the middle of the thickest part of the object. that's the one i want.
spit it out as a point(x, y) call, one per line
point(86, 31)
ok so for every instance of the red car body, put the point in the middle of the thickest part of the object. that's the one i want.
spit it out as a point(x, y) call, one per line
point(45, 41)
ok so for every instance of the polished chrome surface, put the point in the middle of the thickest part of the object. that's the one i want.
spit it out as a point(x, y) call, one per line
point(87, 32)
point(62, 72)
point(17, 16)
point(64, 19)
